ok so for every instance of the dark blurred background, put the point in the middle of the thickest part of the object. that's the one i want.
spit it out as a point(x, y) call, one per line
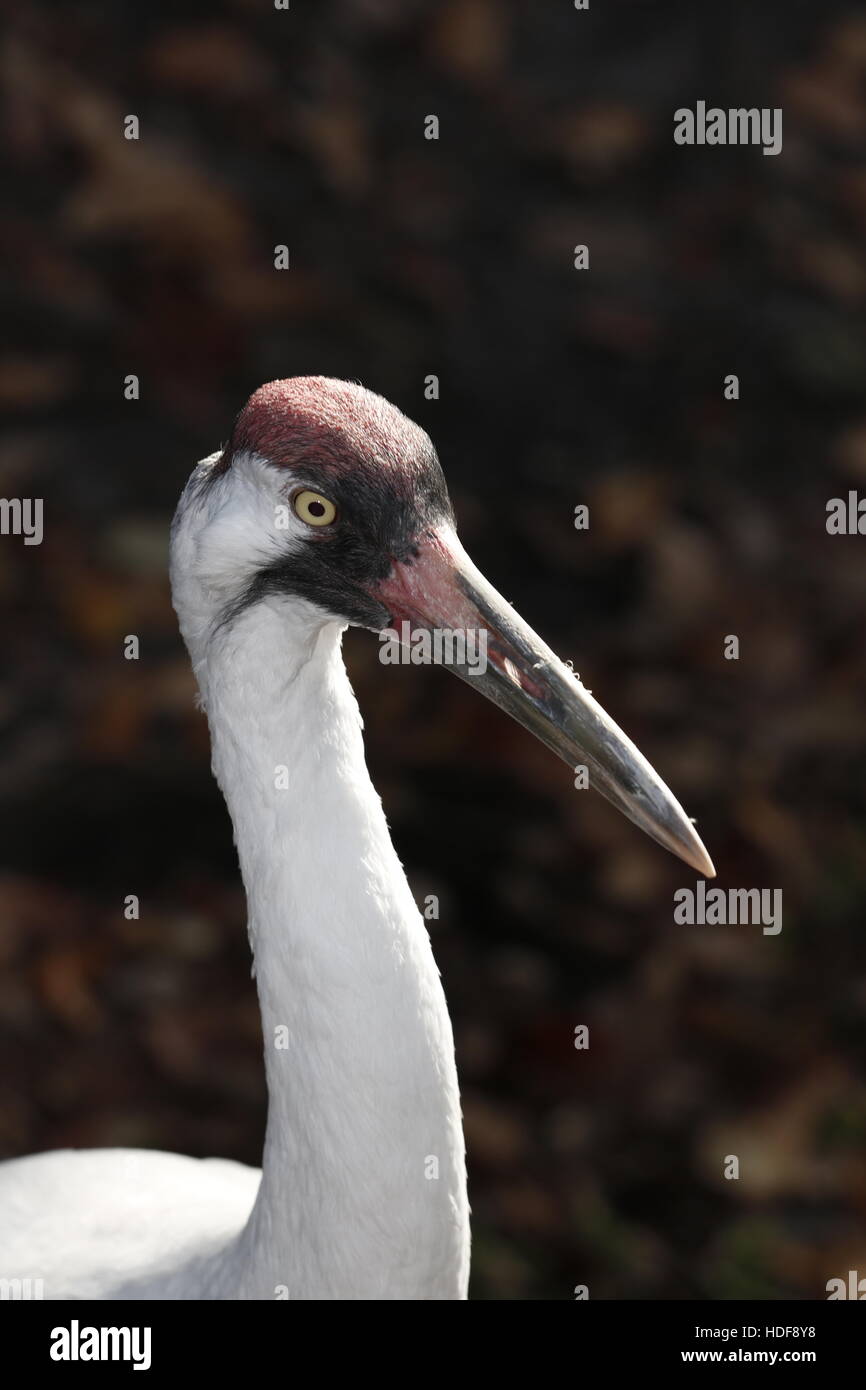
point(411, 257)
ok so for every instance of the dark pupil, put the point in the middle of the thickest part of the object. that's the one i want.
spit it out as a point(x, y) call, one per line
point(316, 509)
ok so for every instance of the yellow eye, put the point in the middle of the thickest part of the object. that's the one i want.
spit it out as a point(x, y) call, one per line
point(313, 508)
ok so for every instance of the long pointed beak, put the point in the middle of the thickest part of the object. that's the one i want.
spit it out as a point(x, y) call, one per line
point(442, 592)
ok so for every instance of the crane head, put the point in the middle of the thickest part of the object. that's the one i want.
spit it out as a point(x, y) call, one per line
point(327, 496)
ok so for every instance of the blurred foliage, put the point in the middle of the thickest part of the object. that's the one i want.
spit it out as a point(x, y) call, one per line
point(557, 387)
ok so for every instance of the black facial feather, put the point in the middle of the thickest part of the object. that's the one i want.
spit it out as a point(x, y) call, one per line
point(336, 566)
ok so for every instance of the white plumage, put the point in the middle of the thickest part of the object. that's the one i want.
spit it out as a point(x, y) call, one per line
point(363, 1187)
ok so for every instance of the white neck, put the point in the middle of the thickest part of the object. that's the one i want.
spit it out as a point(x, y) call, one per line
point(363, 1193)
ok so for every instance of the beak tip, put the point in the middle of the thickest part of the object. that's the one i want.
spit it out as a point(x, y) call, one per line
point(698, 858)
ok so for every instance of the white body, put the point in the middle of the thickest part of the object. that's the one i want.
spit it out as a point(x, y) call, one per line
point(363, 1189)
